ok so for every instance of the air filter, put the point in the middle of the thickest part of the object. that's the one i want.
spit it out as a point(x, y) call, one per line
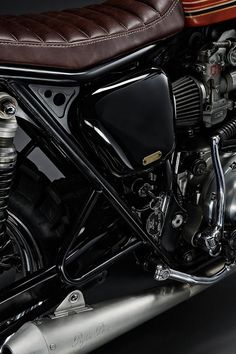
point(188, 94)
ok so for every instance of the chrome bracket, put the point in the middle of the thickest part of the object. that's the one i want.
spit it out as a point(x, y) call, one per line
point(73, 303)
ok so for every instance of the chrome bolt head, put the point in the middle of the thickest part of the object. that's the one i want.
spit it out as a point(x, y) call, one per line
point(53, 346)
point(9, 108)
point(74, 298)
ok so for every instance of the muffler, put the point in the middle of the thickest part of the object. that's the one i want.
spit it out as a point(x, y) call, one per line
point(77, 328)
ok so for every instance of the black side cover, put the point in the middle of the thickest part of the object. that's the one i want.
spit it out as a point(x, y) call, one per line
point(134, 118)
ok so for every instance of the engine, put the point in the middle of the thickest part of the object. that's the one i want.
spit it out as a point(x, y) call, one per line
point(205, 100)
point(204, 96)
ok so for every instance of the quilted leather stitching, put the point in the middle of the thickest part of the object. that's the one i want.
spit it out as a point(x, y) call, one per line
point(10, 34)
point(72, 26)
point(10, 22)
point(105, 17)
point(108, 9)
point(107, 14)
point(148, 6)
point(122, 10)
point(56, 24)
point(38, 23)
point(73, 16)
point(130, 10)
point(41, 25)
point(120, 14)
point(115, 8)
point(91, 16)
point(53, 25)
point(168, 12)
point(30, 28)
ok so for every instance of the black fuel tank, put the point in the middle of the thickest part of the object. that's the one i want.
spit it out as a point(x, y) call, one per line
point(130, 123)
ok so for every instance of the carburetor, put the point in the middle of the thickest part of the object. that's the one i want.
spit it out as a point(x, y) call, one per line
point(216, 68)
point(204, 96)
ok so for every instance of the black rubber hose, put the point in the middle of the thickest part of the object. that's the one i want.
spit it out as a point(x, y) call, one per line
point(227, 131)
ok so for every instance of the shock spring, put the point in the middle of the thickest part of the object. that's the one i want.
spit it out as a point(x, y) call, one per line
point(8, 154)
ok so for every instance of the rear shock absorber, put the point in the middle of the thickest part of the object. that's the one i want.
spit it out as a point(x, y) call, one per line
point(8, 154)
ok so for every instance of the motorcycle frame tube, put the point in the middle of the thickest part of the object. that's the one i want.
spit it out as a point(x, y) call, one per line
point(70, 147)
point(50, 279)
point(48, 125)
point(66, 142)
point(51, 75)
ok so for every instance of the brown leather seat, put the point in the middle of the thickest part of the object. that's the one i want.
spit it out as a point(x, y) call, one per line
point(79, 38)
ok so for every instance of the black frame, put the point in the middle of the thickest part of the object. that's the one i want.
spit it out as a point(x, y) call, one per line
point(15, 80)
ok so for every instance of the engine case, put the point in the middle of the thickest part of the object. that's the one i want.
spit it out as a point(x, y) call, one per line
point(130, 123)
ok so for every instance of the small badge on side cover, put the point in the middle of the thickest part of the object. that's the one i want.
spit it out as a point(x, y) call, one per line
point(152, 158)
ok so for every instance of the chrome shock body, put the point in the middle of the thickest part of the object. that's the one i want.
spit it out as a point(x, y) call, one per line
point(8, 154)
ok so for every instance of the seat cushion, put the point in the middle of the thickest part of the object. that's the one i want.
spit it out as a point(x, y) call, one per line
point(80, 38)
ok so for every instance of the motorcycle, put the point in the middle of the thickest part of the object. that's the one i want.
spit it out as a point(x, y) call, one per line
point(133, 102)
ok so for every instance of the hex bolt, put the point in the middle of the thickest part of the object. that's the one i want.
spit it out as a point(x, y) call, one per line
point(177, 221)
point(213, 196)
point(52, 346)
point(161, 273)
point(9, 108)
point(74, 297)
point(188, 257)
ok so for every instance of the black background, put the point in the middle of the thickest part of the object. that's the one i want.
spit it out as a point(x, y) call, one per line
point(26, 6)
point(203, 325)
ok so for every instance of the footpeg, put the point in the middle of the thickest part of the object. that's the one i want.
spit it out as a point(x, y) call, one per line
point(165, 273)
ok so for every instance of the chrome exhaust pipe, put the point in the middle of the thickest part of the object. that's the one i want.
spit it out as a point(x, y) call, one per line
point(77, 328)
